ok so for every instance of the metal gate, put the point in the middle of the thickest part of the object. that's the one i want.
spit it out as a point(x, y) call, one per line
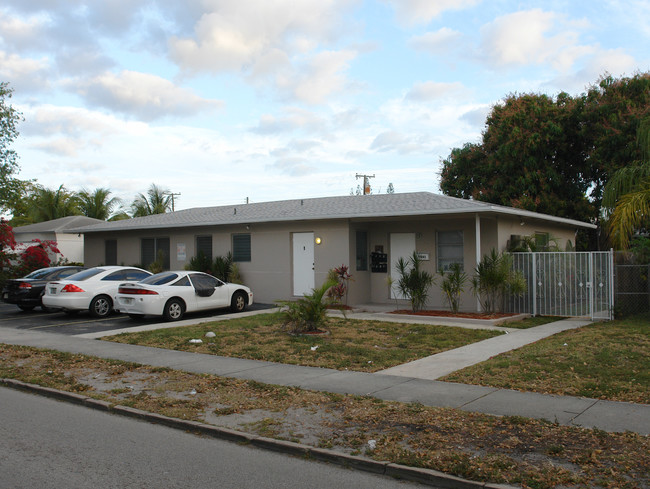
point(578, 284)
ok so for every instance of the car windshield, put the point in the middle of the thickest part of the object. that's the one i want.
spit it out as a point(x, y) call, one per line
point(86, 274)
point(160, 278)
point(39, 273)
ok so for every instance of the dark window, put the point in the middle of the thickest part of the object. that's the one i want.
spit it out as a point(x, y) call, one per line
point(135, 274)
point(151, 247)
point(241, 247)
point(450, 249)
point(542, 241)
point(110, 252)
point(160, 278)
point(43, 272)
point(115, 276)
point(182, 282)
point(67, 272)
point(86, 274)
point(362, 251)
point(202, 281)
point(204, 245)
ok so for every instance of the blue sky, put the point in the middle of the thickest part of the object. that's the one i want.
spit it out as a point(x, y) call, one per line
point(223, 100)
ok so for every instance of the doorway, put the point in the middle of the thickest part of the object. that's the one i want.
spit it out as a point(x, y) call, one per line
point(303, 263)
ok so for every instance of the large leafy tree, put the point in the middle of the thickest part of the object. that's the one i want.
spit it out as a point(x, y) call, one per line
point(97, 204)
point(531, 157)
point(552, 154)
point(157, 201)
point(9, 119)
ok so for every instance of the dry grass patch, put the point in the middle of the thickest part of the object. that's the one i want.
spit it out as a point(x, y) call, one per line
point(366, 346)
point(511, 450)
point(607, 360)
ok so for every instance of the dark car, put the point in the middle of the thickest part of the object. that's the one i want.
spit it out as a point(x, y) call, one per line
point(27, 292)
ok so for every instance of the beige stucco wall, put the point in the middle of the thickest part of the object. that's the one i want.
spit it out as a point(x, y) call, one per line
point(270, 271)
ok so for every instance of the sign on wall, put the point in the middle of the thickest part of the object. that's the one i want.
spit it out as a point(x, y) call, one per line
point(181, 254)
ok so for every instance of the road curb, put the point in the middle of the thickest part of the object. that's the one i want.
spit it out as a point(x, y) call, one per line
point(403, 472)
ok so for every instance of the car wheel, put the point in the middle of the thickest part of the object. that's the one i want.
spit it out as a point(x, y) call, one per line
point(25, 308)
point(100, 306)
point(238, 302)
point(136, 316)
point(174, 310)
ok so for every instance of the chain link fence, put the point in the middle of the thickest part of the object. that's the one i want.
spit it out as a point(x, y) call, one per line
point(631, 284)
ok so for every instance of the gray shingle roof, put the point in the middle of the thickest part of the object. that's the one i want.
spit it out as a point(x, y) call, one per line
point(346, 207)
point(60, 225)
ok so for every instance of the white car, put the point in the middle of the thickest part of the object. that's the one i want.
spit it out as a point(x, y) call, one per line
point(172, 294)
point(91, 290)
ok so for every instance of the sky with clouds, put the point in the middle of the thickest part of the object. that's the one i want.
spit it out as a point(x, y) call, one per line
point(224, 100)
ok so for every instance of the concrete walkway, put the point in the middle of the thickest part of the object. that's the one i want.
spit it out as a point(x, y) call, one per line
point(409, 383)
point(441, 364)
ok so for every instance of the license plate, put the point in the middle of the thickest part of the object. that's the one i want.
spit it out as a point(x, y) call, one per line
point(128, 301)
point(53, 290)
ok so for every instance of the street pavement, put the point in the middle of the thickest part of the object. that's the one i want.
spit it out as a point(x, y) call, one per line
point(413, 382)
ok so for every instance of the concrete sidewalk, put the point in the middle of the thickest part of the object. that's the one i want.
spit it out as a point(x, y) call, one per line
point(410, 383)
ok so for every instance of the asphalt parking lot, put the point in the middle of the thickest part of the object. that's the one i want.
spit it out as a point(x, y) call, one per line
point(59, 322)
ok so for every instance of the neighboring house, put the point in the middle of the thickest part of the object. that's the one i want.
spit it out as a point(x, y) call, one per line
point(286, 248)
point(71, 246)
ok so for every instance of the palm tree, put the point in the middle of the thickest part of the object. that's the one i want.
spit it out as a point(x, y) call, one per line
point(627, 194)
point(157, 201)
point(97, 204)
point(47, 204)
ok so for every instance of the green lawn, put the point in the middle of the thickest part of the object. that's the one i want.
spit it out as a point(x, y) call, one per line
point(366, 346)
point(607, 360)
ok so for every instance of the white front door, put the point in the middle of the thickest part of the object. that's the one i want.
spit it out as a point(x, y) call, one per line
point(303, 263)
point(402, 245)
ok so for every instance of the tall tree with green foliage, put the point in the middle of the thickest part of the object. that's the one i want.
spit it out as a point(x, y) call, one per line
point(157, 201)
point(530, 158)
point(9, 119)
point(97, 204)
point(552, 155)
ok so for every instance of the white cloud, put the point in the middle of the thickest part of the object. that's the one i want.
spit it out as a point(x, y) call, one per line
point(236, 36)
point(145, 96)
point(24, 73)
point(613, 61)
point(422, 11)
point(21, 33)
point(428, 91)
point(322, 77)
point(292, 119)
point(439, 41)
point(533, 37)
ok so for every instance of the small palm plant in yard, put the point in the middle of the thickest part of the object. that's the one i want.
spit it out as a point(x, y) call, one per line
point(307, 314)
point(414, 283)
point(495, 279)
point(453, 284)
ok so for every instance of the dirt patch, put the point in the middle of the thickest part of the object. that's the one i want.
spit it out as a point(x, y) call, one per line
point(510, 449)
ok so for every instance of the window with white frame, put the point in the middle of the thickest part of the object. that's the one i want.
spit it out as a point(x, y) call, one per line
point(449, 249)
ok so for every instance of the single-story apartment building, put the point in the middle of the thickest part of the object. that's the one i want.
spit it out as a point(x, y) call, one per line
point(71, 245)
point(286, 248)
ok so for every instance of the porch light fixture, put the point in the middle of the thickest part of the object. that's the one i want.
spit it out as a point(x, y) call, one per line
point(318, 240)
